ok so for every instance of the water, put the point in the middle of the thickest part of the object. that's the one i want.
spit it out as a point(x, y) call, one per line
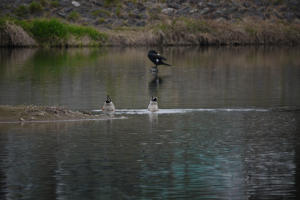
point(215, 136)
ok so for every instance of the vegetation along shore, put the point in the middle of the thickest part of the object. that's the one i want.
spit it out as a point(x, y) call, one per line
point(148, 22)
point(25, 113)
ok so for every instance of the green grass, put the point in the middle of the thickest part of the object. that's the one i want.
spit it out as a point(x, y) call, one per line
point(45, 30)
point(109, 2)
point(35, 7)
point(101, 20)
point(97, 12)
point(2, 23)
point(53, 28)
point(54, 3)
point(74, 16)
point(118, 11)
point(22, 9)
point(49, 31)
point(43, 2)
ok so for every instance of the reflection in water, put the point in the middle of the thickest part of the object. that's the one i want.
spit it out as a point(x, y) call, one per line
point(214, 136)
point(153, 119)
point(235, 155)
point(154, 84)
point(225, 77)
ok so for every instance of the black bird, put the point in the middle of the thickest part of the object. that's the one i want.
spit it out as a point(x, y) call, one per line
point(156, 59)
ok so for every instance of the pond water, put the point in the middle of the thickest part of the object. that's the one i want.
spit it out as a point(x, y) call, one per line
point(214, 137)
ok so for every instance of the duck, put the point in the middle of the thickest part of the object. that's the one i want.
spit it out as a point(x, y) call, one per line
point(108, 105)
point(156, 59)
point(153, 107)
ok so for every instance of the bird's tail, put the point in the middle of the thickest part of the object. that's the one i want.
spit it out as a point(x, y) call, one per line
point(166, 64)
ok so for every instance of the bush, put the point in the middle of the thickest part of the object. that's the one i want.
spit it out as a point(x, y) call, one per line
point(43, 2)
point(48, 29)
point(35, 7)
point(22, 9)
point(118, 11)
point(45, 30)
point(101, 20)
point(74, 16)
point(54, 3)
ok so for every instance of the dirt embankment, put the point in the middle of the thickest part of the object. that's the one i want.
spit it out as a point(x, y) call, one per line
point(43, 113)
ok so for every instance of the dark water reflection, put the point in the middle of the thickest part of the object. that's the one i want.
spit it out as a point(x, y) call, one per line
point(213, 153)
point(224, 77)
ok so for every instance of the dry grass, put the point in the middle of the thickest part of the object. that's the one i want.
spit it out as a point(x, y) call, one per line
point(14, 35)
point(167, 31)
point(183, 31)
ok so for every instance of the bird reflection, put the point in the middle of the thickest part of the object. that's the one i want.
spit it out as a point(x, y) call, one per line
point(154, 83)
point(153, 119)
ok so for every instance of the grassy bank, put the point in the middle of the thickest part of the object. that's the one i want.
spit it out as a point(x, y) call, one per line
point(185, 31)
point(53, 32)
point(169, 31)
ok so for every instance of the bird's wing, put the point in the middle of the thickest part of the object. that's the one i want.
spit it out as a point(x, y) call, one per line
point(156, 56)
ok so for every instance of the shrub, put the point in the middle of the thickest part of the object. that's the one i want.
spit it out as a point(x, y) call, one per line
point(35, 7)
point(118, 11)
point(53, 31)
point(22, 9)
point(54, 3)
point(43, 2)
point(101, 20)
point(74, 16)
point(48, 29)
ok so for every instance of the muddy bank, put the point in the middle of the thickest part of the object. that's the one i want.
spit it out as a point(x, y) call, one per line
point(23, 113)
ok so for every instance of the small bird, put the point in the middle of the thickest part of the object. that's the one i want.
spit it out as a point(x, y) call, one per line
point(153, 107)
point(156, 59)
point(108, 105)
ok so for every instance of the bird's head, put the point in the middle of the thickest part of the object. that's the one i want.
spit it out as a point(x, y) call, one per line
point(153, 98)
point(108, 100)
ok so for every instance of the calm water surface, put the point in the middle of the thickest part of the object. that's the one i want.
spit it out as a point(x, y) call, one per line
point(215, 136)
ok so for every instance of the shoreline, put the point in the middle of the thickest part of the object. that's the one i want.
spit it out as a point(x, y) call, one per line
point(176, 32)
point(148, 23)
